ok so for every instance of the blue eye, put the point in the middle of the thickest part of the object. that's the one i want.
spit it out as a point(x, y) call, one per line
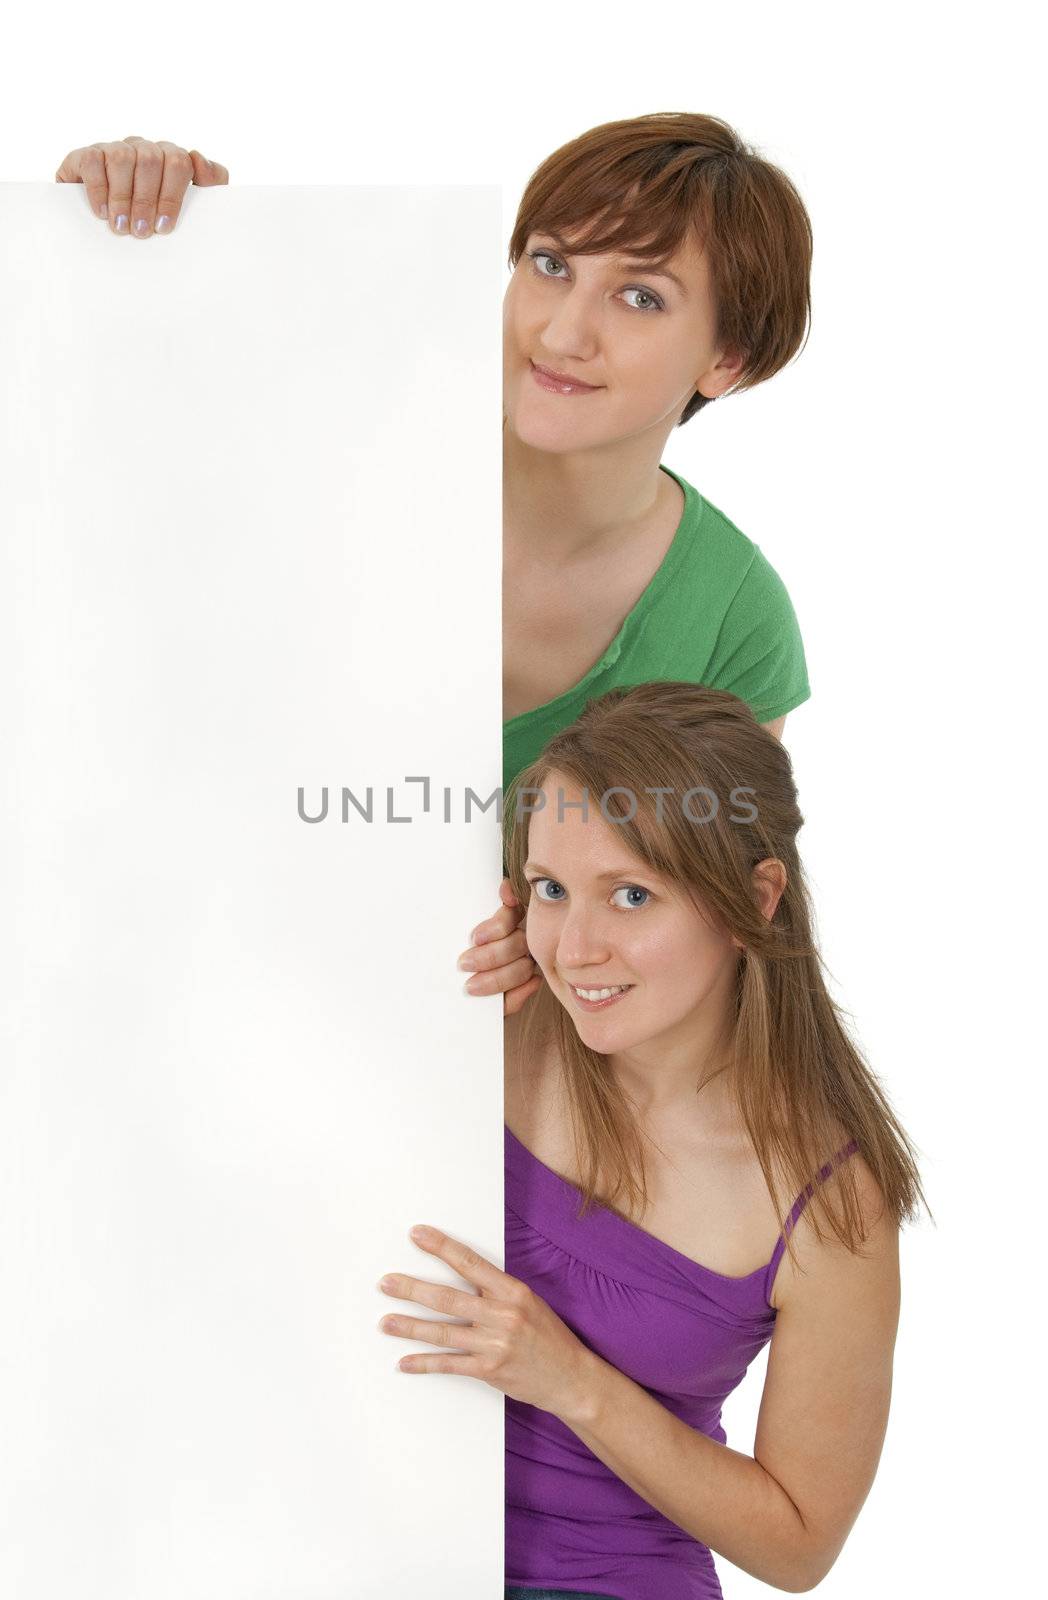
point(542, 883)
point(632, 889)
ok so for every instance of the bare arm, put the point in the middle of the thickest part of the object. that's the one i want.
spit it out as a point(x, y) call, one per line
point(783, 1513)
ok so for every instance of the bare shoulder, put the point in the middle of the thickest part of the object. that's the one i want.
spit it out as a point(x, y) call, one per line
point(824, 1269)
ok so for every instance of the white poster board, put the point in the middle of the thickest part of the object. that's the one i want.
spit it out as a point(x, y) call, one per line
point(249, 496)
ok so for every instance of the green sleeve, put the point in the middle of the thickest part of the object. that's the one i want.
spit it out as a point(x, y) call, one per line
point(759, 654)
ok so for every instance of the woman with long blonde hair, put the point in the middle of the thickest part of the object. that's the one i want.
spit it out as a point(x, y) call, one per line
point(698, 1161)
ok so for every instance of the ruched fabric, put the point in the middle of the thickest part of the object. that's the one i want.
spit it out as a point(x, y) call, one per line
point(687, 1334)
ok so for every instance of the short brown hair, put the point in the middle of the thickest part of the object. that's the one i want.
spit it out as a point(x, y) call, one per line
point(646, 182)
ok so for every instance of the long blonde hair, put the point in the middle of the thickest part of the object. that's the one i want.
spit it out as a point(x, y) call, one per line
point(799, 1080)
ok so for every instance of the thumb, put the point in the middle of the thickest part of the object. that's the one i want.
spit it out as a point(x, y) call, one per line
point(207, 173)
point(506, 894)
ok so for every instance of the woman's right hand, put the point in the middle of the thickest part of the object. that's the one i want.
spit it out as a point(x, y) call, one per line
point(499, 956)
point(136, 185)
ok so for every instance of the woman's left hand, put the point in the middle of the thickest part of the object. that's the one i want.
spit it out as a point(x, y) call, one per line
point(509, 1337)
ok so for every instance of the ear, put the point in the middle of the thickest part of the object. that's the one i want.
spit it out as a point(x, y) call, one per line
point(726, 370)
point(769, 881)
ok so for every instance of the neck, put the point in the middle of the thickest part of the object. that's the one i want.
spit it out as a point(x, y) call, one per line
point(663, 1075)
point(585, 502)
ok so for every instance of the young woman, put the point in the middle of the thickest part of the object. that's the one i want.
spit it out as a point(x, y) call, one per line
point(682, 1076)
point(658, 262)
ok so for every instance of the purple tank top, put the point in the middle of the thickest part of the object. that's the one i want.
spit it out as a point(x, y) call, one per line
point(683, 1331)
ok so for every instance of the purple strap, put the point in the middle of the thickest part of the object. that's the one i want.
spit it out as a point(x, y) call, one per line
point(850, 1149)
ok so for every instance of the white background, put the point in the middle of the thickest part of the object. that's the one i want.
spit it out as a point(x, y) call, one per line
point(891, 476)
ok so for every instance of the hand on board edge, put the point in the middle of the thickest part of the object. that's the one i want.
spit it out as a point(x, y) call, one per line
point(136, 185)
point(499, 957)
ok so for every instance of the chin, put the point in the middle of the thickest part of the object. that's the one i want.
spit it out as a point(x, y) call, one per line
point(556, 436)
point(607, 1033)
point(559, 437)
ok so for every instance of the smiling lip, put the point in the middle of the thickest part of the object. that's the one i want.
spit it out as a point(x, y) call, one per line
point(599, 1005)
point(559, 382)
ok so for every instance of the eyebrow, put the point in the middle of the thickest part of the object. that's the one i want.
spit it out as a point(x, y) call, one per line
point(629, 873)
point(657, 268)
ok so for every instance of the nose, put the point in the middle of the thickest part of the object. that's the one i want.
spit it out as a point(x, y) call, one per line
point(572, 330)
point(582, 945)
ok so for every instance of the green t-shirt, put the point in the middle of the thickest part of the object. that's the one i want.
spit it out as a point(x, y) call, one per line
point(716, 612)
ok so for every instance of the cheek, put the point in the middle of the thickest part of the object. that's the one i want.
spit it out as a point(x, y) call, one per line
point(674, 958)
point(679, 364)
point(510, 341)
point(519, 339)
point(650, 372)
point(541, 939)
point(653, 951)
point(518, 310)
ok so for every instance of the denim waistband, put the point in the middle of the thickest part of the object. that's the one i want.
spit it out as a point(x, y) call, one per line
point(517, 1593)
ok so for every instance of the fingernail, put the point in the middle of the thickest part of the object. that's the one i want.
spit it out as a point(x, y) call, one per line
point(103, 211)
point(388, 1282)
point(467, 987)
point(141, 226)
point(163, 224)
point(468, 963)
point(121, 224)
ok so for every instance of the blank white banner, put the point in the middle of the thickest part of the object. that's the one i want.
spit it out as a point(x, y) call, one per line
point(249, 494)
